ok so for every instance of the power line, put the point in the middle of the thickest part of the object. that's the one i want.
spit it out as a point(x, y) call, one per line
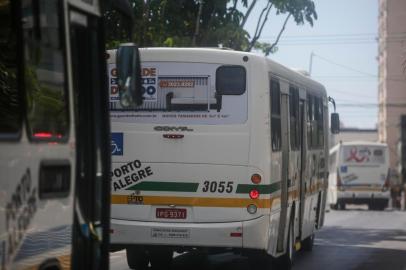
point(344, 66)
point(372, 105)
point(350, 94)
point(327, 35)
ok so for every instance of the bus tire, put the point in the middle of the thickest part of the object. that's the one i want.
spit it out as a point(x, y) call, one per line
point(260, 261)
point(334, 206)
point(161, 258)
point(137, 258)
point(307, 244)
point(381, 206)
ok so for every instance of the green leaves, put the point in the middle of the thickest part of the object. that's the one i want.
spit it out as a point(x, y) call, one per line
point(173, 23)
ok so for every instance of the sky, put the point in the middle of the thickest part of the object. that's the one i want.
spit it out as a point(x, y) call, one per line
point(344, 42)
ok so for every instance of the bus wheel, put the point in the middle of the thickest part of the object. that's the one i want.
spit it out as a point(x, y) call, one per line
point(307, 244)
point(161, 258)
point(261, 261)
point(381, 206)
point(286, 260)
point(137, 258)
point(334, 206)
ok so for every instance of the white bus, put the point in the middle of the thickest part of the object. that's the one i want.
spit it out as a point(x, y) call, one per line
point(359, 175)
point(229, 151)
point(54, 136)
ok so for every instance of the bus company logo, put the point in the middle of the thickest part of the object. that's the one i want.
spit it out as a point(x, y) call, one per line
point(117, 143)
point(167, 128)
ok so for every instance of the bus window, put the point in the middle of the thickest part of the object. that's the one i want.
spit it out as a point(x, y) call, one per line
point(309, 121)
point(315, 120)
point(230, 80)
point(294, 118)
point(275, 116)
point(320, 123)
point(45, 82)
point(10, 107)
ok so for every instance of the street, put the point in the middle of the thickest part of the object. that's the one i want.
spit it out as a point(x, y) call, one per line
point(354, 239)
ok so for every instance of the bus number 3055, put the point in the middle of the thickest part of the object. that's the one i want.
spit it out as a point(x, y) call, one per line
point(221, 187)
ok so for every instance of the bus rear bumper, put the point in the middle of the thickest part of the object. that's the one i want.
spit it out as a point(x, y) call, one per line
point(246, 234)
point(363, 197)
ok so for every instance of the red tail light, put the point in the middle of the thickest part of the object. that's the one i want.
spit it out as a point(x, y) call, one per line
point(254, 194)
point(43, 135)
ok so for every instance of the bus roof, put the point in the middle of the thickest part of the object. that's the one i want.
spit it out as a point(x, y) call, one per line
point(364, 143)
point(218, 55)
point(335, 147)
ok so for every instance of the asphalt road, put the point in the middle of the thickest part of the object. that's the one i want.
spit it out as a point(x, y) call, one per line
point(353, 239)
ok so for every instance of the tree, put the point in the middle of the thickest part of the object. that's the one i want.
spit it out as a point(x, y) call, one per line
point(205, 23)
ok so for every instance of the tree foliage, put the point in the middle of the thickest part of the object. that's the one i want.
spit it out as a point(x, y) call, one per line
point(204, 23)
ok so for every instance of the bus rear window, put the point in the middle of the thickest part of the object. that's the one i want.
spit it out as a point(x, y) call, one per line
point(230, 80)
point(363, 154)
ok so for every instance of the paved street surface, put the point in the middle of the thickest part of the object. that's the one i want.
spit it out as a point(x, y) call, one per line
point(354, 239)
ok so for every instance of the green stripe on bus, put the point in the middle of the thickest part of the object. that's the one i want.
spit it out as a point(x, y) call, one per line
point(165, 186)
point(263, 189)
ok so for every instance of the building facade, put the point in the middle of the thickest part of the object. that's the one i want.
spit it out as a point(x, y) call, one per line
point(392, 73)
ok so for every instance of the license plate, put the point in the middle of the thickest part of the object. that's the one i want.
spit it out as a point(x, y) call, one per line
point(171, 213)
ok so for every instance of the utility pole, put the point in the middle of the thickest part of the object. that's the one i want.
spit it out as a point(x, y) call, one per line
point(311, 63)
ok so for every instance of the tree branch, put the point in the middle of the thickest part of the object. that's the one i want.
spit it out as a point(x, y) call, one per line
point(199, 15)
point(280, 34)
point(235, 4)
point(259, 28)
point(260, 18)
point(247, 14)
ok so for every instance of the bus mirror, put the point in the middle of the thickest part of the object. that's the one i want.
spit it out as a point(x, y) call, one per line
point(335, 123)
point(129, 75)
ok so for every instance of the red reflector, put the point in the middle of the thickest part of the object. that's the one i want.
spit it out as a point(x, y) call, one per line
point(111, 231)
point(173, 136)
point(236, 234)
point(43, 135)
point(254, 194)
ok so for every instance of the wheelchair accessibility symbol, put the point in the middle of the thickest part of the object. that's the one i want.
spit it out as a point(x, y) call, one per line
point(117, 144)
point(114, 148)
